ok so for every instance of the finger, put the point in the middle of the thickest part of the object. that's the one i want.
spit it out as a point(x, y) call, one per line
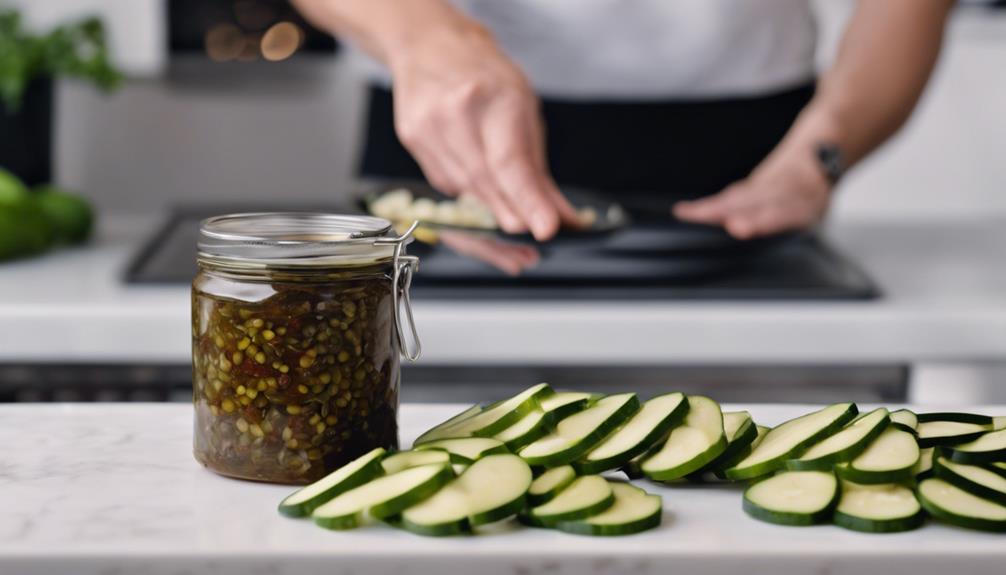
point(716, 208)
point(486, 250)
point(464, 148)
point(771, 218)
point(522, 183)
point(437, 173)
point(538, 143)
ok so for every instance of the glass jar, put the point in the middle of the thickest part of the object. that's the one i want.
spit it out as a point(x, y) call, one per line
point(297, 326)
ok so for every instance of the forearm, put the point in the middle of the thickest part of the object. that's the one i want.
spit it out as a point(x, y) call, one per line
point(883, 63)
point(386, 29)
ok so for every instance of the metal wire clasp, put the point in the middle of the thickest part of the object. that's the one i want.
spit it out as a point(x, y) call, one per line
point(405, 266)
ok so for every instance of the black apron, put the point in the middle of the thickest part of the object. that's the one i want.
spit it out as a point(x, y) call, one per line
point(647, 154)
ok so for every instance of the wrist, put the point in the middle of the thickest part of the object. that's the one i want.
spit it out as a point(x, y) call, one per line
point(421, 35)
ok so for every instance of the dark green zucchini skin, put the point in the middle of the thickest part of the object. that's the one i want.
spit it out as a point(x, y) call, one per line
point(826, 462)
point(850, 473)
point(574, 452)
point(940, 441)
point(795, 519)
point(880, 525)
point(585, 528)
point(554, 520)
point(661, 430)
point(977, 523)
point(777, 463)
point(956, 455)
point(954, 416)
point(972, 487)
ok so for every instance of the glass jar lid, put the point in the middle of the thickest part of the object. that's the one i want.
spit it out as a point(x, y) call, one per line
point(298, 239)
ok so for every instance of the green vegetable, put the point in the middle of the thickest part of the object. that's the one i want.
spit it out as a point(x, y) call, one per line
point(550, 483)
point(70, 214)
point(578, 433)
point(790, 438)
point(493, 488)
point(408, 459)
point(890, 458)
point(585, 497)
point(633, 511)
point(844, 445)
point(75, 50)
point(949, 432)
point(884, 508)
point(953, 505)
point(650, 424)
point(793, 498)
point(691, 446)
point(466, 450)
point(355, 473)
point(988, 448)
point(12, 189)
point(974, 479)
point(383, 497)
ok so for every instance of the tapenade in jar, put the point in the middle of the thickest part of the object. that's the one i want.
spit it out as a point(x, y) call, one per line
point(297, 327)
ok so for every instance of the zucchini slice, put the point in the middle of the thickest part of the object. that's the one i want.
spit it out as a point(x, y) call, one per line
point(989, 448)
point(999, 422)
point(578, 433)
point(891, 458)
point(633, 511)
point(439, 431)
point(549, 484)
point(958, 507)
point(491, 489)
point(955, 416)
point(493, 419)
point(585, 497)
point(974, 479)
point(722, 463)
point(924, 468)
point(905, 420)
point(784, 441)
point(740, 431)
point(691, 446)
point(885, 508)
point(527, 429)
point(382, 497)
point(852, 440)
point(933, 433)
point(793, 498)
point(465, 450)
point(408, 459)
point(355, 473)
point(650, 424)
point(998, 468)
point(562, 404)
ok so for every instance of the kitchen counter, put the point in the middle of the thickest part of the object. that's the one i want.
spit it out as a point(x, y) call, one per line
point(944, 287)
point(113, 488)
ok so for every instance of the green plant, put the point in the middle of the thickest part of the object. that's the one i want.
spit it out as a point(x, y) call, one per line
point(77, 50)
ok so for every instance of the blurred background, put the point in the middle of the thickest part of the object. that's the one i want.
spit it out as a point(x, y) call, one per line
point(226, 104)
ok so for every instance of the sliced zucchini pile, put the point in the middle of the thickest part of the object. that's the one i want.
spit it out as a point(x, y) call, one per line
point(535, 457)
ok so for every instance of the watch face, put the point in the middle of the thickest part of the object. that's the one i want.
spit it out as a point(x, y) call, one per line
point(829, 156)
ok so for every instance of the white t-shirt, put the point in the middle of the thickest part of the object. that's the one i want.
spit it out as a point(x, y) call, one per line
point(650, 49)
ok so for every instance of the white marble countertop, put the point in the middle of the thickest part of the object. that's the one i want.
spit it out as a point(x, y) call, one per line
point(944, 286)
point(113, 488)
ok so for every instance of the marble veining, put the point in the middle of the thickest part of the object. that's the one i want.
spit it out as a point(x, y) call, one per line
point(100, 488)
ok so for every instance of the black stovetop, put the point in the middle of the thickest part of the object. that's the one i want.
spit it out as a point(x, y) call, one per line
point(647, 260)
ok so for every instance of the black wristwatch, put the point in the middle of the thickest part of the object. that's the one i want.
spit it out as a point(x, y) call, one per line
point(829, 157)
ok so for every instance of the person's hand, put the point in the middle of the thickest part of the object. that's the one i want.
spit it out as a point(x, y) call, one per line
point(471, 120)
point(787, 191)
point(511, 258)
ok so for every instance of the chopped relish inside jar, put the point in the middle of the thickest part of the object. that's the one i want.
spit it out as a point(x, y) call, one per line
point(295, 369)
